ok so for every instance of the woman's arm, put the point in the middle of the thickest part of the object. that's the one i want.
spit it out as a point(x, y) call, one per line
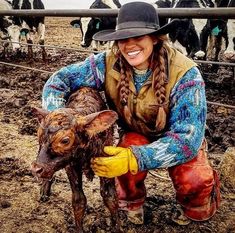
point(68, 79)
point(186, 126)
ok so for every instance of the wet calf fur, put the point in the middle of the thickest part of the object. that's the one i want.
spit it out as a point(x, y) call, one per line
point(68, 138)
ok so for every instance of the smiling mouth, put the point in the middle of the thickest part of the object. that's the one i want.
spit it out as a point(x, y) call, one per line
point(133, 54)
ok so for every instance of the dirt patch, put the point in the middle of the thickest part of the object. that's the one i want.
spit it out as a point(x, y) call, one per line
point(20, 209)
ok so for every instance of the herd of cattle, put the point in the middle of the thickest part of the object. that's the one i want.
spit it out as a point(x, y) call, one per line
point(14, 28)
point(197, 38)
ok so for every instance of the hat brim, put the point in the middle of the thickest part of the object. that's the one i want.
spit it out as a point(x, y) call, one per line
point(112, 34)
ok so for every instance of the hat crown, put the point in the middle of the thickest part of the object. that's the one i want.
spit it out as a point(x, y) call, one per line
point(135, 19)
point(137, 15)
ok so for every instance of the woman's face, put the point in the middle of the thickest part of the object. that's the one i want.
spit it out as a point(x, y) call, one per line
point(137, 50)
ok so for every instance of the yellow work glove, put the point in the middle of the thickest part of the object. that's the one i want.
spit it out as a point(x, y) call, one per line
point(121, 161)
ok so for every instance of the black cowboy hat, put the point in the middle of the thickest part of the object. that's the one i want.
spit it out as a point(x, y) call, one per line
point(134, 19)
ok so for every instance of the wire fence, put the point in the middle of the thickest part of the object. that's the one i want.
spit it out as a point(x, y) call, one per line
point(51, 47)
point(95, 51)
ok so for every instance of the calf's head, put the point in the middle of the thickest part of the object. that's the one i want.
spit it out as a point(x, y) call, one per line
point(64, 136)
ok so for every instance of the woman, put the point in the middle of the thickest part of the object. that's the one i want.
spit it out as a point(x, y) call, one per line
point(159, 95)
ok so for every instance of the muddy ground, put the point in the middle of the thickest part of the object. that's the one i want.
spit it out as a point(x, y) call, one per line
point(20, 209)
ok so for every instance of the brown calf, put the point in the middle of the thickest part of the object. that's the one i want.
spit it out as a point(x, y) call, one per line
point(68, 138)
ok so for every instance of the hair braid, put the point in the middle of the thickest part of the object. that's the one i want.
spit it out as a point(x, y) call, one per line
point(158, 66)
point(124, 85)
point(124, 91)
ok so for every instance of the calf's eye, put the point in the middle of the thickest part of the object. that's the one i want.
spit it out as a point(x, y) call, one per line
point(65, 141)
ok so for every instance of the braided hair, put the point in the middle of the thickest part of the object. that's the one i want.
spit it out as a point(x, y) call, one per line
point(158, 65)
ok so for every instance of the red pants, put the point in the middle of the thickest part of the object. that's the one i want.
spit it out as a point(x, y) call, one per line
point(131, 188)
point(196, 184)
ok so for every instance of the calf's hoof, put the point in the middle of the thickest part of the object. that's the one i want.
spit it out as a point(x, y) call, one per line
point(44, 198)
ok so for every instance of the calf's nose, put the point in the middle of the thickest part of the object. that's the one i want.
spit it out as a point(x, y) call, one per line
point(84, 45)
point(15, 47)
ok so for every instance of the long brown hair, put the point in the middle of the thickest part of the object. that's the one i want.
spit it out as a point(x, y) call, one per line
point(158, 65)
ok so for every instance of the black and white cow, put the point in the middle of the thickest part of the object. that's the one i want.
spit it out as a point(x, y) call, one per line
point(31, 25)
point(9, 30)
point(89, 26)
point(185, 33)
point(218, 35)
point(230, 50)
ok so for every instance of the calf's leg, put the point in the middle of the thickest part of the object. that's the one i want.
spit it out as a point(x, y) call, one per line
point(30, 48)
point(79, 201)
point(109, 195)
point(45, 190)
point(41, 35)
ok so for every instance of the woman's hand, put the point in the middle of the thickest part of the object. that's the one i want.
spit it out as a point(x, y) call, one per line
point(121, 161)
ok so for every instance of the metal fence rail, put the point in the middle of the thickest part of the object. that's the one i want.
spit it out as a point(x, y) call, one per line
point(215, 63)
point(213, 13)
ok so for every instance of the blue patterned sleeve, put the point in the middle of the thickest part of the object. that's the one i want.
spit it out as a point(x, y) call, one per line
point(68, 79)
point(185, 127)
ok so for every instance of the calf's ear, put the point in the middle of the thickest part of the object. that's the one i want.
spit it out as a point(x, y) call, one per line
point(39, 113)
point(99, 121)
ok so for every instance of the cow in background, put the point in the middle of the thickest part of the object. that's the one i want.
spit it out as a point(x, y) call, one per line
point(229, 53)
point(218, 36)
point(89, 26)
point(9, 30)
point(185, 33)
point(163, 4)
point(30, 25)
